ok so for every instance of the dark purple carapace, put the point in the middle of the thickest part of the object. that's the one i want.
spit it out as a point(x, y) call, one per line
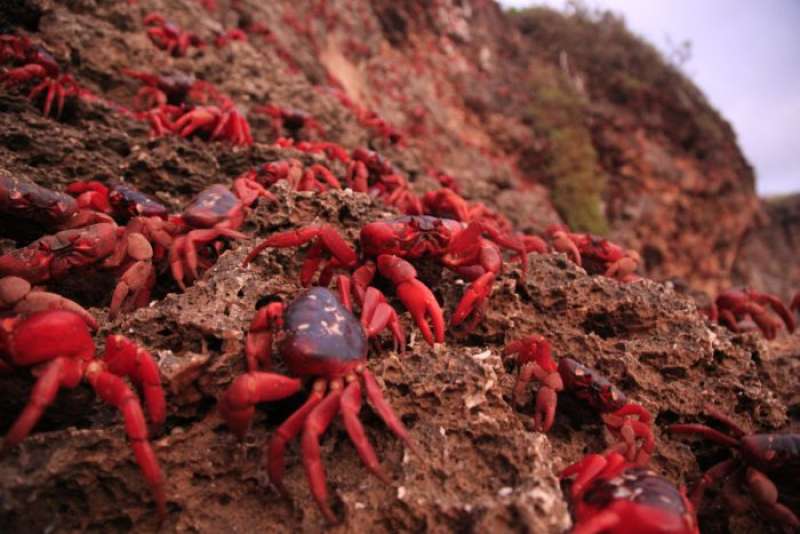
point(639, 485)
point(770, 452)
point(322, 337)
point(211, 206)
point(128, 202)
point(32, 202)
point(590, 386)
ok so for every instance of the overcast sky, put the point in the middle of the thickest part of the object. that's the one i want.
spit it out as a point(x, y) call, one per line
point(745, 56)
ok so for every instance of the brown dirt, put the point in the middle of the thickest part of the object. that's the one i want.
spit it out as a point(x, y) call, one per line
point(481, 467)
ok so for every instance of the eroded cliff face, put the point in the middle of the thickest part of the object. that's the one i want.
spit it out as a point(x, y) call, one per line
point(767, 258)
point(523, 127)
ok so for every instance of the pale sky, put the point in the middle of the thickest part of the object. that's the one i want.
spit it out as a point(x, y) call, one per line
point(746, 59)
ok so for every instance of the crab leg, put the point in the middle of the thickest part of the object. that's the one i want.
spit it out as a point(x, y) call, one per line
point(778, 307)
point(133, 288)
point(718, 472)
point(315, 425)
point(385, 411)
point(286, 432)
point(124, 358)
point(195, 237)
point(60, 372)
point(765, 494)
point(328, 236)
point(258, 347)
point(238, 403)
point(706, 432)
point(533, 353)
point(591, 467)
point(350, 406)
point(631, 429)
point(377, 314)
point(114, 391)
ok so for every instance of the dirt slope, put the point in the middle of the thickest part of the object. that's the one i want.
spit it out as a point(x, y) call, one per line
point(451, 78)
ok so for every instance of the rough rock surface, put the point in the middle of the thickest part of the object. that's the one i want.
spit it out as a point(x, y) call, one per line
point(481, 466)
point(767, 258)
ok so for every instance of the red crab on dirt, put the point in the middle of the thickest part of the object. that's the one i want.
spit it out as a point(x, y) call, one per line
point(34, 64)
point(445, 202)
point(23, 199)
point(317, 177)
point(733, 305)
point(103, 245)
point(627, 421)
point(596, 254)
point(325, 342)
point(459, 247)
point(761, 456)
point(117, 199)
point(215, 212)
point(222, 122)
point(612, 496)
point(59, 345)
point(168, 36)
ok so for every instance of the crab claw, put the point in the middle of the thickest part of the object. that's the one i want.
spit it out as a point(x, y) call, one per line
point(238, 403)
point(473, 298)
point(416, 296)
point(562, 243)
point(200, 118)
point(18, 295)
point(377, 314)
point(632, 422)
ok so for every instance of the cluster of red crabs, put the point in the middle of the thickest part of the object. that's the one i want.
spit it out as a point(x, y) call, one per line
point(114, 227)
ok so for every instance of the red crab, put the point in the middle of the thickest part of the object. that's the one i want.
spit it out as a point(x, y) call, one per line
point(447, 203)
point(325, 342)
point(459, 247)
point(612, 496)
point(35, 64)
point(627, 421)
point(733, 305)
point(59, 345)
point(168, 36)
point(26, 200)
point(117, 199)
point(215, 212)
point(216, 122)
point(82, 243)
point(317, 177)
point(368, 172)
point(596, 254)
point(761, 456)
point(105, 245)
